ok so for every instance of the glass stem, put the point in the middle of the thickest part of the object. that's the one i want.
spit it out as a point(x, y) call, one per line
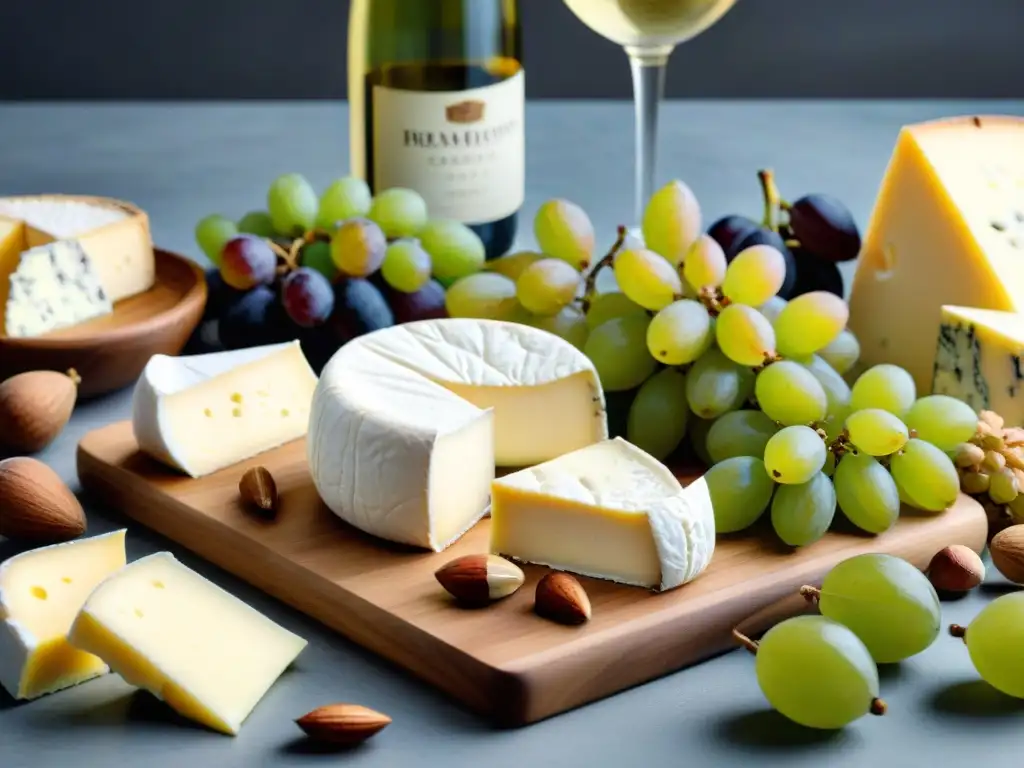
point(648, 68)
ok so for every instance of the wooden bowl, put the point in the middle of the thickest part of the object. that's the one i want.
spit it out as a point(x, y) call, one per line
point(110, 352)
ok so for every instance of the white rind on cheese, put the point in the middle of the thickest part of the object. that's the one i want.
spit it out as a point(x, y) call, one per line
point(408, 422)
point(596, 512)
point(202, 413)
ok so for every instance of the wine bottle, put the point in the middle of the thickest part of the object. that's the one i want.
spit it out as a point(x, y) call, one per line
point(436, 103)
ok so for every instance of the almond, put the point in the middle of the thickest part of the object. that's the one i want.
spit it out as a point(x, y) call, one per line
point(956, 569)
point(560, 597)
point(35, 504)
point(34, 408)
point(342, 723)
point(258, 490)
point(480, 579)
point(1007, 550)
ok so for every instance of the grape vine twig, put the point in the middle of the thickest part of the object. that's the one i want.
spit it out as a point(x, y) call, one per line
point(746, 642)
point(590, 286)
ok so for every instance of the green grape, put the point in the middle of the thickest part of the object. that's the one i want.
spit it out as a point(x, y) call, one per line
point(546, 286)
point(212, 234)
point(358, 247)
point(887, 602)
point(680, 333)
point(884, 386)
point(789, 394)
point(842, 353)
point(744, 335)
point(927, 475)
point(740, 490)
point(400, 212)
point(817, 673)
point(698, 430)
point(563, 230)
point(835, 423)
point(802, 513)
point(292, 204)
point(606, 306)
point(739, 433)
point(455, 249)
point(830, 464)
point(810, 322)
point(994, 640)
point(647, 279)
point(483, 295)
point(317, 255)
point(793, 455)
point(705, 264)
point(406, 266)
point(618, 349)
point(715, 385)
point(512, 264)
point(943, 421)
point(345, 198)
point(876, 432)
point(672, 222)
point(754, 275)
point(771, 308)
point(257, 223)
point(866, 493)
point(658, 415)
point(569, 324)
point(837, 391)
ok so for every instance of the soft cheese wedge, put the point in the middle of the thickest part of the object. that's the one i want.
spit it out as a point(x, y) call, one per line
point(409, 422)
point(947, 228)
point(202, 413)
point(165, 628)
point(111, 237)
point(609, 511)
point(979, 359)
point(41, 592)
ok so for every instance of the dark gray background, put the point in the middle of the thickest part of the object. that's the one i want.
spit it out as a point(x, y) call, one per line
point(199, 49)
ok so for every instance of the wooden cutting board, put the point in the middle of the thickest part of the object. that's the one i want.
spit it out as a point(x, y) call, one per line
point(502, 661)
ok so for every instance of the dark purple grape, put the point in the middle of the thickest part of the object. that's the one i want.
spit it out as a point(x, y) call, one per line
point(248, 261)
point(219, 295)
point(815, 274)
point(729, 229)
point(765, 236)
point(318, 345)
point(256, 319)
point(307, 297)
point(359, 307)
point(425, 304)
point(825, 227)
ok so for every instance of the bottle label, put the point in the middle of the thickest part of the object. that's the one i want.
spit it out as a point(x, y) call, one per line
point(463, 151)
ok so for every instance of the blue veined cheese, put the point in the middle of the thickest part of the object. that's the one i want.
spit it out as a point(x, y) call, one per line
point(978, 359)
point(54, 286)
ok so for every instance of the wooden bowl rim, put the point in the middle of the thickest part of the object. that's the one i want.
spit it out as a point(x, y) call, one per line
point(185, 306)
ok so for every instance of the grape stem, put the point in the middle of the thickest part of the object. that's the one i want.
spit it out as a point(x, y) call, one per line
point(746, 642)
point(810, 594)
point(956, 630)
point(772, 203)
point(878, 707)
point(590, 286)
point(290, 255)
point(73, 375)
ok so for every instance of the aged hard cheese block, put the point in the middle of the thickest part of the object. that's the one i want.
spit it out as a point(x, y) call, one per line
point(41, 592)
point(948, 228)
point(408, 422)
point(980, 360)
point(202, 413)
point(610, 511)
point(165, 628)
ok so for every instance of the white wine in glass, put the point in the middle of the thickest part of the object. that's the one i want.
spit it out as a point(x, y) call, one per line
point(649, 30)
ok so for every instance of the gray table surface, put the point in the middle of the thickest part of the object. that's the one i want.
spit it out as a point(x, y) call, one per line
point(181, 162)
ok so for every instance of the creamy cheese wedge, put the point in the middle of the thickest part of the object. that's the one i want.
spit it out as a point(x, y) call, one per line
point(41, 592)
point(609, 511)
point(164, 628)
point(409, 422)
point(202, 413)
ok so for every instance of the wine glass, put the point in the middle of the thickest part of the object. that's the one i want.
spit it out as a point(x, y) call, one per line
point(649, 30)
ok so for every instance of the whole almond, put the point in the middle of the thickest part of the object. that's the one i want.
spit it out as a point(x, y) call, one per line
point(480, 579)
point(342, 723)
point(560, 597)
point(258, 490)
point(956, 569)
point(1007, 550)
point(34, 408)
point(35, 504)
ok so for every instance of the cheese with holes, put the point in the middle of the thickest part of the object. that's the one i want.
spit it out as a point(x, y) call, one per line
point(609, 511)
point(409, 422)
point(41, 592)
point(948, 228)
point(979, 358)
point(202, 413)
point(164, 628)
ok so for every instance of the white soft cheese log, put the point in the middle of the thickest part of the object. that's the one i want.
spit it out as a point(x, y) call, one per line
point(41, 592)
point(204, 652)
point(408, 422)
point(609, 511)
point(202, 413)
